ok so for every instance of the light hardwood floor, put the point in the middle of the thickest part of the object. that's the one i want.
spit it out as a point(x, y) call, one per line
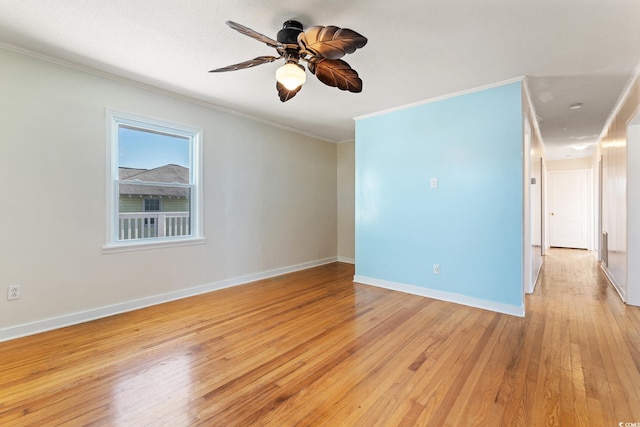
point(313, 348)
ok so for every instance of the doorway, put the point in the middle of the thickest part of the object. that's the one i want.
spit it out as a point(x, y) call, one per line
point(568, 208)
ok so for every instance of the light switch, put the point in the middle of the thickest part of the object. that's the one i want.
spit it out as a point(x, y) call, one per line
point(434, 182)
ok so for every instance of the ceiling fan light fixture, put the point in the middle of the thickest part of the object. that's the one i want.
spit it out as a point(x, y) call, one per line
point(320, 47)
point(291, 75)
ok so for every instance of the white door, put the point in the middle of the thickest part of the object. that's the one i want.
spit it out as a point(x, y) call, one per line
point(568, 208)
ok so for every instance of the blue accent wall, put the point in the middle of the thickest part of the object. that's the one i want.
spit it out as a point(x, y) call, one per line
point(472, 224)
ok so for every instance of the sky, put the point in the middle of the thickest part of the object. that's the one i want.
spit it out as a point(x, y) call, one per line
point(146, 150)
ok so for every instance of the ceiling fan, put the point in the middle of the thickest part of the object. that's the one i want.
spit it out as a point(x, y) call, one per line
point(320, 47)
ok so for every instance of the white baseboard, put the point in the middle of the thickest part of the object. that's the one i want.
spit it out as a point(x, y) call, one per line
point(347, 260)
point(613, 282)
point(25, 329)
point(512, 310)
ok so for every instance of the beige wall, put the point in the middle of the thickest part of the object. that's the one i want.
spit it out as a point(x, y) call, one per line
point(617, 186)
point(346, 201)
point(569, 164)
point(633, 212)
point(269, 195)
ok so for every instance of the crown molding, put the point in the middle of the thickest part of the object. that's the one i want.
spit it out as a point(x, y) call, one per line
point(621, 100)
point(155, 89)
point(440, 98)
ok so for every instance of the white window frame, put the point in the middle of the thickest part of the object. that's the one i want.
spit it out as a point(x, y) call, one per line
point(195, 136)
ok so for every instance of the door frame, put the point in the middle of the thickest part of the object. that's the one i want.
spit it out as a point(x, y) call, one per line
point(527, 286)
point(545, 220)
point(587, 206)
point(598, 238)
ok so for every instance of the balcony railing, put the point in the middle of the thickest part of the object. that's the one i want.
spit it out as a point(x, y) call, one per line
point(145, 225)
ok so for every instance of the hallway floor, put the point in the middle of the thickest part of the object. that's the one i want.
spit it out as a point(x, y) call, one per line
point(589, 360)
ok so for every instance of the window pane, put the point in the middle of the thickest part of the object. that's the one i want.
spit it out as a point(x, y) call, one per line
point(152, 205)
point(172, 217)
point(145, 155)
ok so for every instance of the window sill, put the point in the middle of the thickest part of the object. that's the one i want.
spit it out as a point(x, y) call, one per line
point(147, 245)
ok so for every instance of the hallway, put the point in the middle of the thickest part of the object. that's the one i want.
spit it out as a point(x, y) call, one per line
point(589, 360)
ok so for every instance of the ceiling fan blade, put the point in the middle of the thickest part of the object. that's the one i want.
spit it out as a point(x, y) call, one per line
point(246, 64)
point(286, 94)
point(254, 34)
point(336, 73)
point(331, 42)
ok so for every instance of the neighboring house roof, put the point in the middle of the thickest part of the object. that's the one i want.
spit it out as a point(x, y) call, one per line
point(126, 173)
point(167, 173)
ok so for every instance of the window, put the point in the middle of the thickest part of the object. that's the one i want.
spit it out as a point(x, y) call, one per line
point(152, 205)
point(154, 182)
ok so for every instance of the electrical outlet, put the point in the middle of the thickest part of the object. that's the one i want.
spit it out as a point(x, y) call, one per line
point(13, 292)
point(436, 268)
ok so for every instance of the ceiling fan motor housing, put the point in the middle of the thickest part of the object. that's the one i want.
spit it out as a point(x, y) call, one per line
point(289, 32)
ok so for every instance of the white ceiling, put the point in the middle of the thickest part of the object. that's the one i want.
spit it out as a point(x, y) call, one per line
point(574, 50)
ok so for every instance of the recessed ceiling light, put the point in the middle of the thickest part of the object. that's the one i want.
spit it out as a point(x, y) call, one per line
point(579, 146)
point(575, 106)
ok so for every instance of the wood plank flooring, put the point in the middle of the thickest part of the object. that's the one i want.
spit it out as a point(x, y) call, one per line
point(313, 348)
